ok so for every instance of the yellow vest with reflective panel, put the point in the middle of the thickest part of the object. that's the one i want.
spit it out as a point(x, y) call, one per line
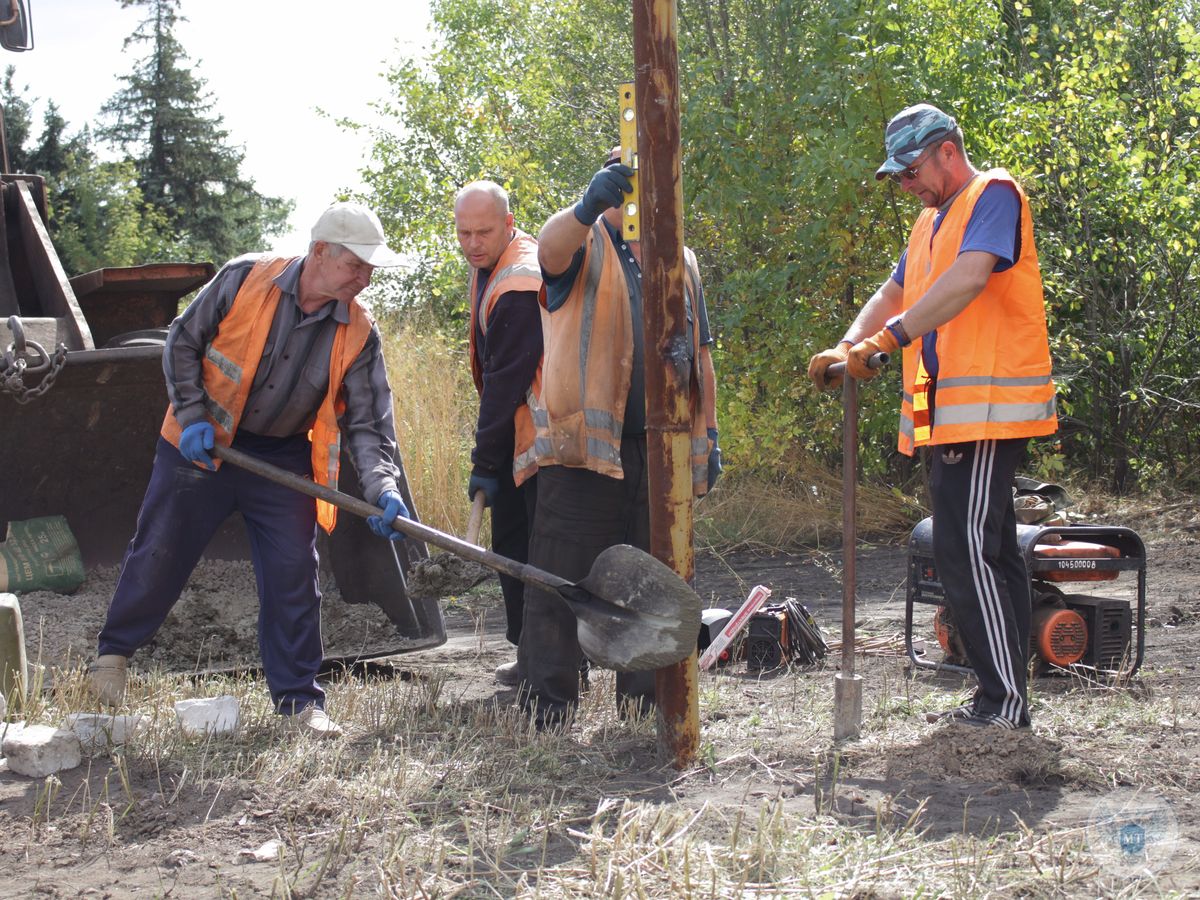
point(517, 269)
point(588, 367)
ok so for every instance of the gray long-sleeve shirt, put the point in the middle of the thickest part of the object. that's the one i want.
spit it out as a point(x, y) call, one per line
point(293, 375)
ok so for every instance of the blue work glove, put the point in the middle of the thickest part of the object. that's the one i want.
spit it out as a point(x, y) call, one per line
point(195, 442)
point(714, 459)
point(489, 484)
point(393, 506)
point(606, 190)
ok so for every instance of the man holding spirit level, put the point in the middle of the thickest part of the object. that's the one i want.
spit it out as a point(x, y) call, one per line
point(591, 427)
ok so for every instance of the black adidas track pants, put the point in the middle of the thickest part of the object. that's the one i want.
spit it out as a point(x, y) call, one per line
point(981, 570)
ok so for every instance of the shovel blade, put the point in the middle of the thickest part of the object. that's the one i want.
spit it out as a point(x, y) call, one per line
point(641, 615)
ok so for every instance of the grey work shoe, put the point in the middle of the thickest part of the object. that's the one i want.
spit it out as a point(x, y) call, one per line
point(507, 674)
point(958, 714)
point(989, 720)
point(106, 677)
point(313, 721)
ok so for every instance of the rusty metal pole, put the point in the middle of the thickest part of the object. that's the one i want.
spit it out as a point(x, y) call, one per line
point(847, 686)
point(668, 369)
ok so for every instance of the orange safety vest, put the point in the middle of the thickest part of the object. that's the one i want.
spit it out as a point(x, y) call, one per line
point(231, 361)
point(517, 269)
point(993, 357)
point(588, 368)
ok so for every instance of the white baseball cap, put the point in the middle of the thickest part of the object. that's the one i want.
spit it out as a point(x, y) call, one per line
point(358, 230)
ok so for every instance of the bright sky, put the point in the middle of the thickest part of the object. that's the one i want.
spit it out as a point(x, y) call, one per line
point(269, 64)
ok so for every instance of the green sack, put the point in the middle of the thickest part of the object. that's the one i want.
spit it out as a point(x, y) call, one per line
point(40, 555)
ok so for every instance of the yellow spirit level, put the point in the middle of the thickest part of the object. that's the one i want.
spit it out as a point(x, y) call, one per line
point(631, 230)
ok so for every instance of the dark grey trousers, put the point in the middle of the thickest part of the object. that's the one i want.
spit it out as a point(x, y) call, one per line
point(579, 514)
point(512, 520)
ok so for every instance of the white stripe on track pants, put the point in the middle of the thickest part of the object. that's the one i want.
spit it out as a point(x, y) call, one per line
point(981, 569)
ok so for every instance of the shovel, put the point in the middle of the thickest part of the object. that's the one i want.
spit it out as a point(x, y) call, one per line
point(634, 613)
point(476, 521)
point(847, 686)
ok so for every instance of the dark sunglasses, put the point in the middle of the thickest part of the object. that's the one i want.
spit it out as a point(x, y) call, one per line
point(911, 172)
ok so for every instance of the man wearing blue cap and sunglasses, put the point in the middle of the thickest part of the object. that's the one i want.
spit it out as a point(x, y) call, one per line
point(965, 305)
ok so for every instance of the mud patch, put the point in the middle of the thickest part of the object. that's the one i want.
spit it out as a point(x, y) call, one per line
point(213, 626)
point(445, 575)
point(964, 752)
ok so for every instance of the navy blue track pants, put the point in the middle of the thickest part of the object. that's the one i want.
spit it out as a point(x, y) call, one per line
point(183, 508)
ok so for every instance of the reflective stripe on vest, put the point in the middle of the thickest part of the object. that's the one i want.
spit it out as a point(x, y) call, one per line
point(700, 451)
point(581, 417)
point(531, 274)
point(994, 377)
point(231, 361)
point(517, 269)
point(326, 436)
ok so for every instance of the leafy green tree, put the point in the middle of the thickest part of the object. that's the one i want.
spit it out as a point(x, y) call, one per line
point(186, 168)
point(1091, 104)
point(99, 218)
point(96, 213)
point(1105, 118)
point(523, 94)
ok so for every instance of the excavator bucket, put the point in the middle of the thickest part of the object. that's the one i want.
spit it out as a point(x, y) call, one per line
point(82, 400)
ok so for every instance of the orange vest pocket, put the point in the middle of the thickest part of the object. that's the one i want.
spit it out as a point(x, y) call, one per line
point(568, 436)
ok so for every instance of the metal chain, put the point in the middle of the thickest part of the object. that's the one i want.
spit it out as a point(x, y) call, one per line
point(15, 366)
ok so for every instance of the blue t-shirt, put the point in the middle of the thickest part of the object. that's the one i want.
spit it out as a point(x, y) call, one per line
point(994, 227)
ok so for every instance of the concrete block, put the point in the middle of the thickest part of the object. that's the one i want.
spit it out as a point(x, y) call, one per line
point(41, 750)
point(98, 732)
point(211, 715)
point(14, 667)
point(7, 728)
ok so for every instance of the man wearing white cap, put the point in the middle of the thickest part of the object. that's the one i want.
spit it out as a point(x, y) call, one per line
point(277, 358)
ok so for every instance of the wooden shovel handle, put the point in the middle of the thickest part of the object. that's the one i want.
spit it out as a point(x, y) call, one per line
point(521, 571)
point(476, 522)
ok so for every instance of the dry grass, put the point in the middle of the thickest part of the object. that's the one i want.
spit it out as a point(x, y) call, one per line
point(436, 407)
point(803, 508)
point(435, 793)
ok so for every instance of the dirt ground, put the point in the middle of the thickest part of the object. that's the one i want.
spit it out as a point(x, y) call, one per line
point(1013, 780)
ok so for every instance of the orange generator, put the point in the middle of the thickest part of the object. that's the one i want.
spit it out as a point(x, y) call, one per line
point(1071, 631)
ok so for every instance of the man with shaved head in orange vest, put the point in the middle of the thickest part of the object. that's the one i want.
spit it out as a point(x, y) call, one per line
point(506, 359)
point(965, 306)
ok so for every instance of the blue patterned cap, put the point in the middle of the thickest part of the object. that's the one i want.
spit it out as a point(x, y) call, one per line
point(909, 132)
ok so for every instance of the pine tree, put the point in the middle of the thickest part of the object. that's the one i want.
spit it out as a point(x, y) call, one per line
point(165, 121)
point(18, 120)
point(96, 215)
point(56, 151)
